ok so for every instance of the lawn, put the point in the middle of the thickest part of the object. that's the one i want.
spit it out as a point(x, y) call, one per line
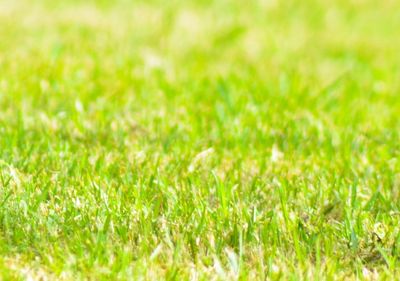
point(199, 140)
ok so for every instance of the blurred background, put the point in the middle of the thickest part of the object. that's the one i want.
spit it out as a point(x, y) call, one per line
point(332, 63)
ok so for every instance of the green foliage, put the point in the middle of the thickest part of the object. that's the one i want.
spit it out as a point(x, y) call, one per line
point(199, 140)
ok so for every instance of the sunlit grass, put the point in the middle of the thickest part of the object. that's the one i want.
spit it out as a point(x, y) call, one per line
point(199, 140)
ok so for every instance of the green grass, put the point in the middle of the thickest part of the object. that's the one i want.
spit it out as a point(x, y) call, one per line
point(200, 140)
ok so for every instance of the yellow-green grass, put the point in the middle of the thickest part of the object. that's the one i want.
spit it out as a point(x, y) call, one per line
point(202, 140)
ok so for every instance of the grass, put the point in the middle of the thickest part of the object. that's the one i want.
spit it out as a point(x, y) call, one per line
point(222, 140)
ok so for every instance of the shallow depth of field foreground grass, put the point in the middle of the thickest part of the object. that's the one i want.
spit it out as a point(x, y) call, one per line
point(144, 140)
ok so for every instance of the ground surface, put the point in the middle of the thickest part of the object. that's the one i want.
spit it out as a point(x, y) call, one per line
point(199, 139)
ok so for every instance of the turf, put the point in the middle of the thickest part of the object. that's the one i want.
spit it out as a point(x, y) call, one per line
point(202, 140)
